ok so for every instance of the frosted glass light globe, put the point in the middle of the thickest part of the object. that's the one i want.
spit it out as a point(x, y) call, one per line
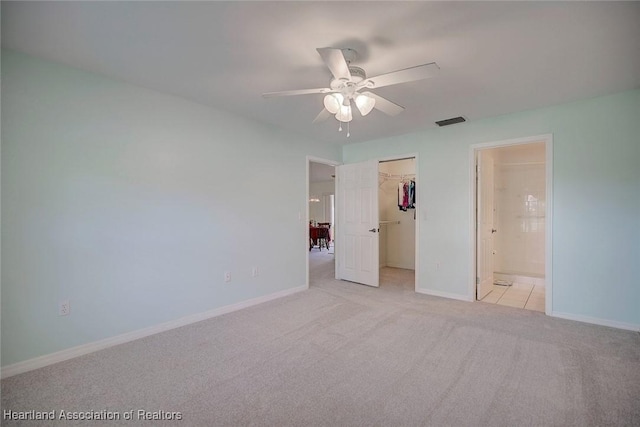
point(365, 103)
point(332, 102)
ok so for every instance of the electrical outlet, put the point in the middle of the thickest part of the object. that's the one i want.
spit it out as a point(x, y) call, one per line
point(64, 308)
point(227, 276)
point(254, 272)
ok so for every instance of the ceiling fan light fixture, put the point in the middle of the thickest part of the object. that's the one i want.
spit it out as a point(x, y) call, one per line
point(346, 82)
point(333, 102)
point(344, 115)
point(365, 103)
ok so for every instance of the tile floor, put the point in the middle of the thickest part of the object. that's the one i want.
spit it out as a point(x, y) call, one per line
point(529, 297)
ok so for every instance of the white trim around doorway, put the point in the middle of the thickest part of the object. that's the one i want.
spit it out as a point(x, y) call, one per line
point(547, 139)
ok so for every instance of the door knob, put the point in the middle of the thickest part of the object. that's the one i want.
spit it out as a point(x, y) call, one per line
point(373, 230)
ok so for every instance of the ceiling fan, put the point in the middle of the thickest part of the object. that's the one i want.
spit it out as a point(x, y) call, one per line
point(350, 83)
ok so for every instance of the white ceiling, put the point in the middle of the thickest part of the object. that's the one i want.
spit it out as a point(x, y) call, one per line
point(495, 57)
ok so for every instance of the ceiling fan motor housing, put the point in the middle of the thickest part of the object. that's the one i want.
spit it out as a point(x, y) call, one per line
point(357, 75)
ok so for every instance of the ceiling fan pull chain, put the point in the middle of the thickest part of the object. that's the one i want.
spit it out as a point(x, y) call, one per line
point(348, 134)
point(340, 128)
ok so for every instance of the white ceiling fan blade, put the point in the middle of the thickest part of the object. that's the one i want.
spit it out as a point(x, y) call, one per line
point(335, 61)
point(297, 92)
point(324, 115)
point(418, 72)
point(386, 106)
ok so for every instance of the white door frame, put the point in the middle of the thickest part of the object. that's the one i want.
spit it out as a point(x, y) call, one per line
point(547, 139)
point(306, 216)
point(417, 211)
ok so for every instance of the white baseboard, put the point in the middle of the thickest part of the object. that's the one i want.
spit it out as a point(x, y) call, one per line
point(443, 294)
point(70, 353)
point(597, 321)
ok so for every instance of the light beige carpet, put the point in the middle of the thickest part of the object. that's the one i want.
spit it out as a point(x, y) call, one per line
point(342, 354)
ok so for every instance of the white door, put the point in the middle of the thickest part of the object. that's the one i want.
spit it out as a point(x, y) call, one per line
point(485, 230)
point(357, 226)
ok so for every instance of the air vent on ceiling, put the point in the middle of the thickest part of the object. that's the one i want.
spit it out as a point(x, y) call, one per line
point(451, 121)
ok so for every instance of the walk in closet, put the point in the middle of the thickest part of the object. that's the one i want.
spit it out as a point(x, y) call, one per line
point(397, 202)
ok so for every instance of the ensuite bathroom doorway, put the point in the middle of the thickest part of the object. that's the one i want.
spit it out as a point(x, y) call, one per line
point(511, 220)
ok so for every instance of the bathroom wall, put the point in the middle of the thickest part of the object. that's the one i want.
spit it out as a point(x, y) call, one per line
point(519, 210)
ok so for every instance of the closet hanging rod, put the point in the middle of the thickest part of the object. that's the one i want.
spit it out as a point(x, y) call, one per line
point(396, 160)
point(389, 222)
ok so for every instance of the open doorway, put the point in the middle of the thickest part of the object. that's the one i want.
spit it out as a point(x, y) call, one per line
point(321, 221)
point(376, 208)
point(397, 217)
point(512, 224)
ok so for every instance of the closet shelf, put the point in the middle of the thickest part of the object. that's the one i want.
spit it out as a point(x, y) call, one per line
point(401, 177)
point(389, 222)
point(384, 177)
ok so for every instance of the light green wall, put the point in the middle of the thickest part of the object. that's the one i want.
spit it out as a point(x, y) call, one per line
point(132, 203)
point(596, 200)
